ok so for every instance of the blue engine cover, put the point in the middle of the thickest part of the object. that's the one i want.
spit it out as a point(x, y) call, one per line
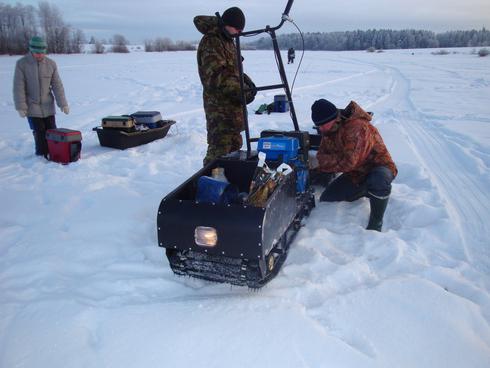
point(285, 149)
point(279, 148)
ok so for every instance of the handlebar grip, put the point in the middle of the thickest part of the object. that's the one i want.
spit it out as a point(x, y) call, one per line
point(288, 7)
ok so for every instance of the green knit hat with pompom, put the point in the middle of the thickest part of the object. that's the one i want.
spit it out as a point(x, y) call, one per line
point(37, 45)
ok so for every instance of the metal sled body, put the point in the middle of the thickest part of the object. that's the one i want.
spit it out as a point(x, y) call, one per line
point(248, 237)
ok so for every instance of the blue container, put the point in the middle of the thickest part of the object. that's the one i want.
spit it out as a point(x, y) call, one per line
point(302, 175)
point(279, 148)
point(211, 190)
point(281, 103)
point(146, 117)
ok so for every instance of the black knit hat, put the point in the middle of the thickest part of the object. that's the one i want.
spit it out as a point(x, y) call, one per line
point(234, 17)
point(323, 111)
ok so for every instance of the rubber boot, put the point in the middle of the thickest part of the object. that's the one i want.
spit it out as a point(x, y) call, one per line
point(378, 207)
point(39, 142)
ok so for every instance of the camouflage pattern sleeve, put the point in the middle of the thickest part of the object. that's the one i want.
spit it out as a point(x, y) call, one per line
point(218, 69)
point(355, 145)
point(326, 156)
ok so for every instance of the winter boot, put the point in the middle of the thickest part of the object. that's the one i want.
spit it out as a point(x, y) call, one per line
point(378, 207)
point(40, 142)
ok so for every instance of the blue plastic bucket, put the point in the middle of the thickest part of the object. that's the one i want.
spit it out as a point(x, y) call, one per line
point(210, 190)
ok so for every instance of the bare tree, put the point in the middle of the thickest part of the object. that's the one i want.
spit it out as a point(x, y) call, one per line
point(166, 44)
point(184, 46)
point(119, 43)
point(53, 26)
point(62, 39)
point(19, 23)
point(163, 44)
point(98, 47)
point(149, 46)
point(17, 26)
point(77, 41)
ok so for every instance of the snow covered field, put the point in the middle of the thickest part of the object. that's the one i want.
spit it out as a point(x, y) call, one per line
point(83, 283)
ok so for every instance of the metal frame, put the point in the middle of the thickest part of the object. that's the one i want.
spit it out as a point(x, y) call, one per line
point(272, 32)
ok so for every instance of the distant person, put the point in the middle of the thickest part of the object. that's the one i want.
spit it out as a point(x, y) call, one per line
point(291, 55)
point(351, 145)
point(36, 85)
point(218, 71)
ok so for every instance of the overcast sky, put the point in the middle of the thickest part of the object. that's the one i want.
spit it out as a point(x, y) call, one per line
point(146, 19)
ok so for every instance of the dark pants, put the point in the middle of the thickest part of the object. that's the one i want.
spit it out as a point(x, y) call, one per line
point(377, 184)
point(39, 127)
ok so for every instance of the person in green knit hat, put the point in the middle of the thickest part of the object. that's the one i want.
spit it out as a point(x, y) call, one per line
point(37, 85)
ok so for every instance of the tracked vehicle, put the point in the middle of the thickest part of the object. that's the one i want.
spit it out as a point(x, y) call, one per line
point(236, 242)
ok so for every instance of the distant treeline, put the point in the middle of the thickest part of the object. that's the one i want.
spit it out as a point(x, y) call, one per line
point(379, 39)
point(166, 44)
point(20, 22)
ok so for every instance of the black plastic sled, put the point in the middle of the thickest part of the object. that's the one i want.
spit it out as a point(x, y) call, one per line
point(121, 139)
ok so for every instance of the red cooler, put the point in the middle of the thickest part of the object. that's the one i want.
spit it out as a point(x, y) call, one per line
point(64, 145)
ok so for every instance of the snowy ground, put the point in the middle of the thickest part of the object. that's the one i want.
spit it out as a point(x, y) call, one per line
point(83, 283)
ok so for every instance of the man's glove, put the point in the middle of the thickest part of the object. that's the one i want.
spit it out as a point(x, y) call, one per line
point(248, 83)
point(262, 109)
point(65, 109)
point(22, 113)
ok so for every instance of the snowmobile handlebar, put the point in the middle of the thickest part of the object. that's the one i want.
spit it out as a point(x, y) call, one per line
point(284, 17)
point(272, 32)
point(288, 7)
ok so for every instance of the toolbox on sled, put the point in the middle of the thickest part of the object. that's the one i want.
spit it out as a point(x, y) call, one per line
point(64, 145)
point(118, 122)
point(120, 139)
point(149, 118)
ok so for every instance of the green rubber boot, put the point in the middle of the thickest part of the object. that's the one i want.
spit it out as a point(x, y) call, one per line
point(378, 207)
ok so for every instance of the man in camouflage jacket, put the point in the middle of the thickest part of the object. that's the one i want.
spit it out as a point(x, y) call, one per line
point(353, 146)
point(218, 71)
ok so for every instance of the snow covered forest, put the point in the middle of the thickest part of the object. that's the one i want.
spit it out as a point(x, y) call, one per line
point(380, 39)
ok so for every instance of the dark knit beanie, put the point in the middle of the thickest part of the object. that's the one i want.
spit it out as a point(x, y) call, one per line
point(37, 45)
point(234, 17)
point(323, 111)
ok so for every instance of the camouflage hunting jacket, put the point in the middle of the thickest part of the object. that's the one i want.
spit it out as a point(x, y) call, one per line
point(355, 147)
point(218, 71)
